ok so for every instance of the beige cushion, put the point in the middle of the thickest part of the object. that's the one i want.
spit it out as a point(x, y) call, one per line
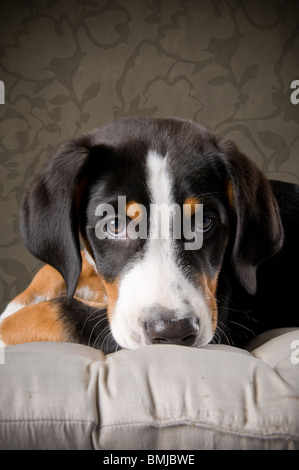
point(68, 396)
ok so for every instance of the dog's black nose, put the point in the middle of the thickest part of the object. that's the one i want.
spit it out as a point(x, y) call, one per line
point(181, 332)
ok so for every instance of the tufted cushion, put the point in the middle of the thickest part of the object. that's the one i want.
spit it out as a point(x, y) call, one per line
point(68, 396)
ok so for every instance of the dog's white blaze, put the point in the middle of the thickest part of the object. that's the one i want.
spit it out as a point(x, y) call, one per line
point(157, 279)
point(160, 189)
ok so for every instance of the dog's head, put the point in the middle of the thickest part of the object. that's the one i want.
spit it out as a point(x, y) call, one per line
point(160, 287)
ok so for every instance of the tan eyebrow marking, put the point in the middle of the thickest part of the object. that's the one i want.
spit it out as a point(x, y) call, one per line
point(190, 206)
point(134, 211)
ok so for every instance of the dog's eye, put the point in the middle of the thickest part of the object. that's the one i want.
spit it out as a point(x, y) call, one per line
point(117, 227)
point(207, 224)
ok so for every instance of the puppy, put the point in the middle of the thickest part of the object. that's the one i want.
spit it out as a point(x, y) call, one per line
point(127, 191)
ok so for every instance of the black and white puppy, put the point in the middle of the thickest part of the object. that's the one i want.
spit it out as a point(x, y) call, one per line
point(237, 279)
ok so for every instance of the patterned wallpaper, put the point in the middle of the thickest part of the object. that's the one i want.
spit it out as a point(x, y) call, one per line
point(70, 65)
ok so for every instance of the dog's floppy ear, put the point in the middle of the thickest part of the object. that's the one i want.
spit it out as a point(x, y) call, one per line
point(258, 227)
point(48, 217)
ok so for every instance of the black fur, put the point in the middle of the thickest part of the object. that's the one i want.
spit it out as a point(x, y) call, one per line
point(86, 325)
point(275, 303)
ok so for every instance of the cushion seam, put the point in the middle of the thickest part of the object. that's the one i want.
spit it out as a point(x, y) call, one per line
point(199, 424)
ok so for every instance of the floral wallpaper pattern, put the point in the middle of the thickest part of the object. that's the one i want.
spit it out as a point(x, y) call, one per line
point(69, 66)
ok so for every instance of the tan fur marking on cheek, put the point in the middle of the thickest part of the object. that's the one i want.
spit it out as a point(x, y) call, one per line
point(210, 287)
point(134, 211)
point(112, 290)
point(190, 206)
point(40, 322)
point(214, 310)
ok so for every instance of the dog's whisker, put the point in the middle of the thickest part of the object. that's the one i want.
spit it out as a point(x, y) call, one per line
point(95, 326)
point(220, 300)
point(91, 317)
point(242, 326)
point(117, 347)
point(221, 332)
point(109, 337)
point(104, 332)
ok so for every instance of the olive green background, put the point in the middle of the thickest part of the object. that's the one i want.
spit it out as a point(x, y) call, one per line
point(69, 66)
